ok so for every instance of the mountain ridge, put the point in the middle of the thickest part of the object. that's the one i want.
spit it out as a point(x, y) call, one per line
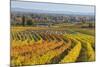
point(49, 12)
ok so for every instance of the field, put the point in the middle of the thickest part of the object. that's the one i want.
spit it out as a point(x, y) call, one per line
point(51, 45)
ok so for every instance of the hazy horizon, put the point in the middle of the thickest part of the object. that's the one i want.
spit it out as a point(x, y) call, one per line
point(59, 8)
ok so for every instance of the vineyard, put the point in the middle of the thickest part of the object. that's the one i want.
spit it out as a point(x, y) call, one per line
point(33, 46)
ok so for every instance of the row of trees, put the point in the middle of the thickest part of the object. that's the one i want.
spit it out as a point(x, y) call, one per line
point(27, 20)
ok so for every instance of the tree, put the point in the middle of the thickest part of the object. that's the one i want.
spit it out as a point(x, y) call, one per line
point(29, 22)
point(90, 25)
point(83, 20)
point(23, 20)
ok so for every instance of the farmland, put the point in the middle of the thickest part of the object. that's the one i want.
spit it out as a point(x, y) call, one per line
point(49, 45)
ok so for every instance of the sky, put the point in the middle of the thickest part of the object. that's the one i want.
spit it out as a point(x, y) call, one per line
point(53, 6)
point(86, 2)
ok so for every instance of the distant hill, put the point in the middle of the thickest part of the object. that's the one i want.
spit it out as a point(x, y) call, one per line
point(50, 12)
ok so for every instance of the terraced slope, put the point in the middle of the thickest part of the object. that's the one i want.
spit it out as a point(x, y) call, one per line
point(32, 47)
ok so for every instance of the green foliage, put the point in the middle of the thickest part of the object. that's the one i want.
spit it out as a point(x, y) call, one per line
point(29, 22)
point(23, 20)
